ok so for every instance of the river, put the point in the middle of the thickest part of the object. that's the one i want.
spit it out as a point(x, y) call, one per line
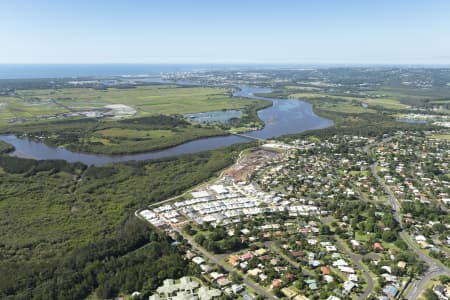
point(285, 116)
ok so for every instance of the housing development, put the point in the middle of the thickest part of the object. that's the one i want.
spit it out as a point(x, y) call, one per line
point(221, 150)
point(269, 183)
point(345, 217)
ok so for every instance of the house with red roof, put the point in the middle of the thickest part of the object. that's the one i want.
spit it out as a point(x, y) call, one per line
point(233, 260)
point(247, 256)
point(326, 270)
point(276, 283)
point(378, 246)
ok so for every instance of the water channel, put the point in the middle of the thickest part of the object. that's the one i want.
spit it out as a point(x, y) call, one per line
point(285, 116)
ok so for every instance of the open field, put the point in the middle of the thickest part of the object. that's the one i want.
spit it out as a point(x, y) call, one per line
point(303, 88)
point(441, 137)
point(114, 137)
point(342, 107)
point(339, 103)
point(321, 95)
point(326, 102)
point(388, 103)
point(118, 140)
point(384, 102)
point(158, 124)
point(13, 107)
point(5, 147)
point(147, 100)
point(440, 101)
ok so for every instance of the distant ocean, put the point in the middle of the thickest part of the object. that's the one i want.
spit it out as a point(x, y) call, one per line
point(16, 71)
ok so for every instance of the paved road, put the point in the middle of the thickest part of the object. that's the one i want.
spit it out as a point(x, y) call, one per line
point(435, 268)
point(419, 285)
point(217, 259)
point(274, 248)
point(214, 259)
point(356, 260)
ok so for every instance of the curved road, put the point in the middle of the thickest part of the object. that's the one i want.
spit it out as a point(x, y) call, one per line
point(258, 289)
point(356, 260)
point(435, 268)
point(213, 258)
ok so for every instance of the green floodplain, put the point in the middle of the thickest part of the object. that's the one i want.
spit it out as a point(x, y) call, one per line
point(155, 121)
point(147, 100)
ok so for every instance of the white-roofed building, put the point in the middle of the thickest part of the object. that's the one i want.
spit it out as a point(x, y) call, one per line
point(219, 189)
point(200, 194)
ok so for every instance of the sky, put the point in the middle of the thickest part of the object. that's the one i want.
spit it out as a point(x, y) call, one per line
point(231, 31)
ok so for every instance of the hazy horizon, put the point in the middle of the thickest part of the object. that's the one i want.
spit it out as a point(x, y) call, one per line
point(231, 64)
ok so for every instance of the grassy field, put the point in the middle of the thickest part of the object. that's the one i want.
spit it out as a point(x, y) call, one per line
point(441, 137)
point(349, 115)
point(14, 107)
point(110, 136)
point(340, 103)
point(118, 140)
point(302, 88)
point(311, 95)
point(441, 101)
point(147, 100)
point(342, 107)
point(388, 103)
point(5, 147)
point(384, 102)
point(114, 137)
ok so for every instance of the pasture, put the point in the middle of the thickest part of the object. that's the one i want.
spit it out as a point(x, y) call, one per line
point(383, 102)
point(147, 100)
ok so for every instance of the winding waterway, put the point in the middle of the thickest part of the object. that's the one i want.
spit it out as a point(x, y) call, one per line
point(285, 116)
